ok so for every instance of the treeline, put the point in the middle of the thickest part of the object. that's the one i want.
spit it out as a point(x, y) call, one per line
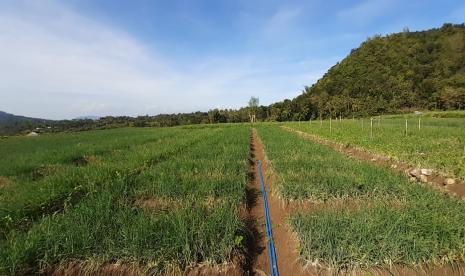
point(162, 120)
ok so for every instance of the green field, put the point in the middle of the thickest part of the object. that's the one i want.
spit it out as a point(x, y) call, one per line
point(95, 212)
point(439, 143)
point(384, 219)
point(166, 199)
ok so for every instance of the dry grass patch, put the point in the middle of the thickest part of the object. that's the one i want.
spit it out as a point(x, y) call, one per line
point(4, 181)
point(163, 204)
point(45, 170)
point(75, 268)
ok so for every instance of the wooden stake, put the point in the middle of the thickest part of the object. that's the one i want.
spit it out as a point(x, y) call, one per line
point(329, 124)
point(371, 128)
point(419, 123)
point(406, 127)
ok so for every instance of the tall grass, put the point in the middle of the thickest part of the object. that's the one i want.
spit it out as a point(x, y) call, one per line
point(22, 155)
point(395, 223)
point(438, 144)
point(306, 170)
point(106, 224)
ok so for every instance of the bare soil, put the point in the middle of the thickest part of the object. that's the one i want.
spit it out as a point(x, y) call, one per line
point(436, 179)
point(285, 240)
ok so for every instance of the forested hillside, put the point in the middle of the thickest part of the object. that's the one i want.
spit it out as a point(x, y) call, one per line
point(408, 70)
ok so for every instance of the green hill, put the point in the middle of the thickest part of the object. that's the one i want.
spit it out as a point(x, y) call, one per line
point(402, 71)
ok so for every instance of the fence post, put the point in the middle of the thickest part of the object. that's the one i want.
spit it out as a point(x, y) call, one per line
point(406, 127)
point(419, 123)
point(371, 128)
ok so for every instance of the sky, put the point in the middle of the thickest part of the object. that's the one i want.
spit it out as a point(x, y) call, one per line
point(65, 59)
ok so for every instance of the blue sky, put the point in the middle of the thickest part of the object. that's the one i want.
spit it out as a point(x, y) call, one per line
point(63, 59)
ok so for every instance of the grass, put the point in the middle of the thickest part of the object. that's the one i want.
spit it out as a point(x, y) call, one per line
point(439, 144)
point(427, 230)
point(311, 171)
point(104, 224)
point(23, 155)
point(395, 223)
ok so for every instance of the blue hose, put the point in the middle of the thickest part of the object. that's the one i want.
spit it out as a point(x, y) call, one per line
point(269, 232)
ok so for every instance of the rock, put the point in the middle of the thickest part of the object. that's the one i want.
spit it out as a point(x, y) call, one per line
point(449, 181)
point(373, 159)
point(423, 178)
point(415, 172)
point(426, 172)
point(412, 179)
point(394, 166)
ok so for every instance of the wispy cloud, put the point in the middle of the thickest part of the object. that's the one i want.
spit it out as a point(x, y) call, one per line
point(56, 63)
point(366, 11)
point(281, 21)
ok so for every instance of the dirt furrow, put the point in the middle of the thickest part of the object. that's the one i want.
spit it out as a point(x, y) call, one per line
point(285, 241)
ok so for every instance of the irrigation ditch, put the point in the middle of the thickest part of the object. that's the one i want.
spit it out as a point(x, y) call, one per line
point(285, 242)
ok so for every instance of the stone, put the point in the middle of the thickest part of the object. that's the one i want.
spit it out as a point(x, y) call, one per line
point(412, 179)
point(423, 178)
point(449, 181)
point(426, 172)
point(394, 166)
point(415, 172)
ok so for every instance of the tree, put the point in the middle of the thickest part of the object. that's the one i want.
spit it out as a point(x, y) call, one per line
point(253, 107)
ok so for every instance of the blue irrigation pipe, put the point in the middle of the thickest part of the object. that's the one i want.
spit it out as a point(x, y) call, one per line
point(269, 232)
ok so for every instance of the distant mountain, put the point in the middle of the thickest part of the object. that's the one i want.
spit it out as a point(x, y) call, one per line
point(6, 118)
point(387, 74)
point(93, 118)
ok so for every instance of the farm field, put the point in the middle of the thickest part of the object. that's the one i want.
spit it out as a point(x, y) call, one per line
point(358, 215)
point(439, 144)
point(172, 200)
point(165, 202)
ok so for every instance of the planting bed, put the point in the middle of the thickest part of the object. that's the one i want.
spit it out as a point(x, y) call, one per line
point(90, 216)
point(438, 144)
point(387, 220)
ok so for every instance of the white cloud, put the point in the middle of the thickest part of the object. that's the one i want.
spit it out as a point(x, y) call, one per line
point(55, 63)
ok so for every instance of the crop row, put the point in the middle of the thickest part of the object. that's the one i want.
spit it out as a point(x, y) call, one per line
point(24, 155)
point(436, 143)
point(110, 222)
point(384, 220)
point(22, 202)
